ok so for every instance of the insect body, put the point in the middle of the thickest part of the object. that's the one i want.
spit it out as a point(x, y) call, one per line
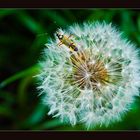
point(66, 41)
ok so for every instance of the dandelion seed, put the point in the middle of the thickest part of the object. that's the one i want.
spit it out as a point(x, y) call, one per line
point(94, 85)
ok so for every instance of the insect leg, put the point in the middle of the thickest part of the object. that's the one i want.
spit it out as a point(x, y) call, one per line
point(71, 35)
point(60, 43)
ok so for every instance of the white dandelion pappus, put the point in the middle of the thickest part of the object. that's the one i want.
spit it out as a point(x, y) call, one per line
point(95, 85)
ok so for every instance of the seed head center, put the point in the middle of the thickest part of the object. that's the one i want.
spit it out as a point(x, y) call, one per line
point(89, 73)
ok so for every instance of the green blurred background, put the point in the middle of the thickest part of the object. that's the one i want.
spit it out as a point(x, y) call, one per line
point(23, 33)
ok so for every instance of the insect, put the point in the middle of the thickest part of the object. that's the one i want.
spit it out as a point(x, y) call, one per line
point(66, 41)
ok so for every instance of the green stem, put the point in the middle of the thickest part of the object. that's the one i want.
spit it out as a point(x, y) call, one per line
point(19, 75)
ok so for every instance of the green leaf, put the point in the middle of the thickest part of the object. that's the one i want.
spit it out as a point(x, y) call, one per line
point(56, 17)
point(49, 124)
point(30, 23)
point(6, 12)
point(5, 111)
point(19, 75)
point(35, 117)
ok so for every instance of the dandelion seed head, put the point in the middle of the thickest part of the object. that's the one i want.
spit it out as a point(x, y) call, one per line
point(95, 85)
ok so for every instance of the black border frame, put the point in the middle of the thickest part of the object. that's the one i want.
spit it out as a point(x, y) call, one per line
point(69, 4)
point(95, 135)
point(40, 135)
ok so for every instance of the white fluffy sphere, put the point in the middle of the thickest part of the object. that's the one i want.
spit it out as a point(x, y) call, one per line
point(94, 85)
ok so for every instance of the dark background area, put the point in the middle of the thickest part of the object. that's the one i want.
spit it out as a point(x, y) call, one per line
point(23, 33)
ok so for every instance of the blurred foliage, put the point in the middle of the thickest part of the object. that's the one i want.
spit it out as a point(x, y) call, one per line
point(23, 34)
